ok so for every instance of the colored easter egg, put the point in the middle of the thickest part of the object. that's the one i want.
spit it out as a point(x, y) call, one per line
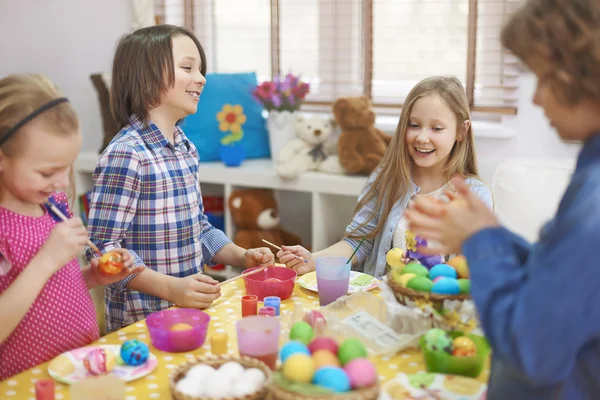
point(404, 278)
point(446, 286)
point(442, 270)
point(351, 349)
point(312, 317)
point(437, 339)
point(420, 283)
point(459, 263)
point(99, 361)
point(361, 372)
point(272, 280)
point(110, 263)
point(464, 286)
point(394, 257)
point(302, 332)
point(414, 268)
point(323, 343)
point(465, 344)
point(180, 326)
point(324, 358)
point(463, 353)
point(299, 368)
point(133, 352)
point(291, 348)
point(332, 378)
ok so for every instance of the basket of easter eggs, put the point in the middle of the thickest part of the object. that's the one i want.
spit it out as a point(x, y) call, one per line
point(319, 367)
point(220, 377)
point(454, 352)
point(416, 284)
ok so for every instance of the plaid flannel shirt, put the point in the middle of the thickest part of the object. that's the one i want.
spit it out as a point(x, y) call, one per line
point(146, 198)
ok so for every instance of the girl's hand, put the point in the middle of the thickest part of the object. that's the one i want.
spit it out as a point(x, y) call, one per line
point(194, 291)
point(287, 255)
point(450, 225)
point(66, 241)
point(128, 269)
point(258, 257)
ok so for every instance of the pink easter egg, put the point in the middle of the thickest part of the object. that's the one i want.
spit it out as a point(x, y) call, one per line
point(323, 343)
point(311, 318)
point(438, 278)
point(362, 373)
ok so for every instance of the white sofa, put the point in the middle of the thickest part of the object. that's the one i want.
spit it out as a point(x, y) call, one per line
point(527, 192)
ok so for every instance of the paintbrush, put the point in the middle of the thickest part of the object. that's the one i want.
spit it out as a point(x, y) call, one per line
point(62, 216)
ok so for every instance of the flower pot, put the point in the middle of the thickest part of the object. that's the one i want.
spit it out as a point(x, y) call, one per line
point(232, 154)
point(282, 129)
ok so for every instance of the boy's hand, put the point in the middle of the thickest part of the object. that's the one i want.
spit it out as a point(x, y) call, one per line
point(287, 255)
point(258, 257)
point(128, 269)
point(194, 291)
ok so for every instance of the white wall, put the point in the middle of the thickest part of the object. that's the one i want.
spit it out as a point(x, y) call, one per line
point(67, 40)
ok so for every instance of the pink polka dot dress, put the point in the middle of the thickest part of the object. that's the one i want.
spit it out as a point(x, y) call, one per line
point(63, 315)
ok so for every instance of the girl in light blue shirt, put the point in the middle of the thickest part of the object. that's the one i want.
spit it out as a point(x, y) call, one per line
point(432, 143)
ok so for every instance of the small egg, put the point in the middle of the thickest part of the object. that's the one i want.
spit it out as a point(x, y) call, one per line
point(292, 347)
point(189, 387)
point(442, 270)
point(323, 358)
point(249, 382)
point(200, 373)
point(464, 285)
point(312, 317)
point(299, 368)
point(437, 339)
point(302, 332)
point(333, 378)
point(323, 343)
point(464, 343)
point(232, 370)
point(404, 278)
point(420, 283)
point(415, 268)
point(351, 349)
point(180, 326)
point(361, 372)
point(218, 386)
point(255, 374)
point(446, 286)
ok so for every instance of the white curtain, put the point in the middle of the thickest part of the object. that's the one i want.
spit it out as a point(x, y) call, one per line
point(143, 13)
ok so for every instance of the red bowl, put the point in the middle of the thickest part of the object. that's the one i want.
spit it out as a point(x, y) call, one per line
point(261, 286)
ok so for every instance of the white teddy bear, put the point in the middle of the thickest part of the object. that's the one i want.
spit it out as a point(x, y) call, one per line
point(310, 151)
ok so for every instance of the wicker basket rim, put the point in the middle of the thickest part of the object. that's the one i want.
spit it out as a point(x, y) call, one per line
point(371, 392)
point(424, 295)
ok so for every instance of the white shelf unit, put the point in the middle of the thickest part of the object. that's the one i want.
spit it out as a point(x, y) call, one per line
point(316, 206)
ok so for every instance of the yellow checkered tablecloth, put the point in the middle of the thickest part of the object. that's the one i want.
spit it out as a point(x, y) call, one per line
point(223, 314)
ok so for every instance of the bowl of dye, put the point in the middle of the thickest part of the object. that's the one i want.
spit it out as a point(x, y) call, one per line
point(178, 329)
point(273, 281)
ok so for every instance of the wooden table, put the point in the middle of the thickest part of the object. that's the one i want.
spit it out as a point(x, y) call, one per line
point(223, 314)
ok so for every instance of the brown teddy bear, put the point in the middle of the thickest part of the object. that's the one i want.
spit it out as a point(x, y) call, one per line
point(360, 146)
point(256, 217)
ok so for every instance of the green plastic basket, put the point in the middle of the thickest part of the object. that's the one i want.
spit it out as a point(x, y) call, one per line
point(444, 363)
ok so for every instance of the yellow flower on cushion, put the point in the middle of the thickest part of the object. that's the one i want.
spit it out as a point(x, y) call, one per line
point(411, 241)
point(231, 118)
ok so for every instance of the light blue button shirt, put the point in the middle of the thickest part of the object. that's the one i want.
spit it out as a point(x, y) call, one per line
point(371, 255)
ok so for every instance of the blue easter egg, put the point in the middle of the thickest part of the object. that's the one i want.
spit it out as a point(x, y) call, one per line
point(332, 378)
point(292, 347)
point(134, 352)
point(446, 286)
point(442, 270)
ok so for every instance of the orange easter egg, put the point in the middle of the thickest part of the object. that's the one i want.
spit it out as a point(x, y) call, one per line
point(464, 346)
point(324, 358)
point(180, 326)
point(111, 263)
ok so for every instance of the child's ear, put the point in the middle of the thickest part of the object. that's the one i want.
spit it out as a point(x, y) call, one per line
point(463, 130)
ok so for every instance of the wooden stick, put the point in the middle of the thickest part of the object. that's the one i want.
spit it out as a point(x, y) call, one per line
point(235, 278)
point(62, 216)
point(279, 248)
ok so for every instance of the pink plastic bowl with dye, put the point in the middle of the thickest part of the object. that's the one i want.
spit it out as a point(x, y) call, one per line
point(176, 341)
point(273, 281)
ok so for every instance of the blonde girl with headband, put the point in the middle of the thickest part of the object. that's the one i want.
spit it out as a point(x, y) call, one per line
point(44, 294)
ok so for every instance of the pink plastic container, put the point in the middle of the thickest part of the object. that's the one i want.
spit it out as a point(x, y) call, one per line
point(273, 281)
point(165, 334)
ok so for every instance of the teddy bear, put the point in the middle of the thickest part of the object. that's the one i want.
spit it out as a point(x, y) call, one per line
point(311, 150)
point(255, 215)
point(360, 146)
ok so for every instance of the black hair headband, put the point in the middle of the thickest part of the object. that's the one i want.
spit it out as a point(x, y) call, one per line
point(29, 117)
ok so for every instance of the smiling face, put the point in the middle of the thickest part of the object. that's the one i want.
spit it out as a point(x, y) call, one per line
point(431, 133)
point(181, 99)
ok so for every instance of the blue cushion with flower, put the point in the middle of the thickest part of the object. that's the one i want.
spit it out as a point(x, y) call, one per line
point(228, 110)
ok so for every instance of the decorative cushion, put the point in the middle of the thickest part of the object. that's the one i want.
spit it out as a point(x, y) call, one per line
point(527, 192)
point(203, 127)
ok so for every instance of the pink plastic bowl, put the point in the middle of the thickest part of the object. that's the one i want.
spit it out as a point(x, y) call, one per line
point(260, 286)
point(164, 338)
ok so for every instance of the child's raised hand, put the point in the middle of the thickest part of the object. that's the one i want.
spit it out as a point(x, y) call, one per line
point(66, 241)
point(128, 269)
point(288, 255)
point(258, 257)
point(194, 291)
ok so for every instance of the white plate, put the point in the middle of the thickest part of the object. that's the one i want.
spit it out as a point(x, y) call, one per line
point(359, 282)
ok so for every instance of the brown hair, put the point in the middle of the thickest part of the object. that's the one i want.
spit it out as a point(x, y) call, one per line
point(20, 95)
point(143, 69)
point(565, 34)
point(394, 178)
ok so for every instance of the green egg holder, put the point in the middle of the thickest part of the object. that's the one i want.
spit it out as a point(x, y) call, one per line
point(441, 362)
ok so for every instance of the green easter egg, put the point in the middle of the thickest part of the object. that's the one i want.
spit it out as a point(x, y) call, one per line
point(414, 268)
point(351, 349)
point(302, 332)
point(465, 286)
point(420, 284)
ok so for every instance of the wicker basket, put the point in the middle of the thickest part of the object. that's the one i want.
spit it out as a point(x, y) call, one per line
point(370, 393)
point(215, 362)
point(408, 296)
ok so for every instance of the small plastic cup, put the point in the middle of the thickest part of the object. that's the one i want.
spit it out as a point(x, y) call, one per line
point(258, 337)
point(249, 305)
point(333, 278)
point(275, 302)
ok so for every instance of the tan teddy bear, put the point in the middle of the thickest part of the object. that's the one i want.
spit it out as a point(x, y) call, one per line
point(360, 146)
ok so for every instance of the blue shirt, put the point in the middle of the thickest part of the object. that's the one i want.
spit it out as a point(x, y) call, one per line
point(371, 255)
point(146, 198)
point(536, 302)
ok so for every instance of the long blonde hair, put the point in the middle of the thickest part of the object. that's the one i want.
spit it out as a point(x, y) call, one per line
point(394, 179)
point(20, 95)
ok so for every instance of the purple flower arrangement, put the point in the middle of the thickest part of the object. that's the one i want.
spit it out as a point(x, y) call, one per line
point(282, 94)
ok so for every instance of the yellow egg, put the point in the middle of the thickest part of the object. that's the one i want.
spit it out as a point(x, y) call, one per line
point(464, 344)
point(299, 368)
point(180, 326)
point(404, 278)
point(324, 358)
